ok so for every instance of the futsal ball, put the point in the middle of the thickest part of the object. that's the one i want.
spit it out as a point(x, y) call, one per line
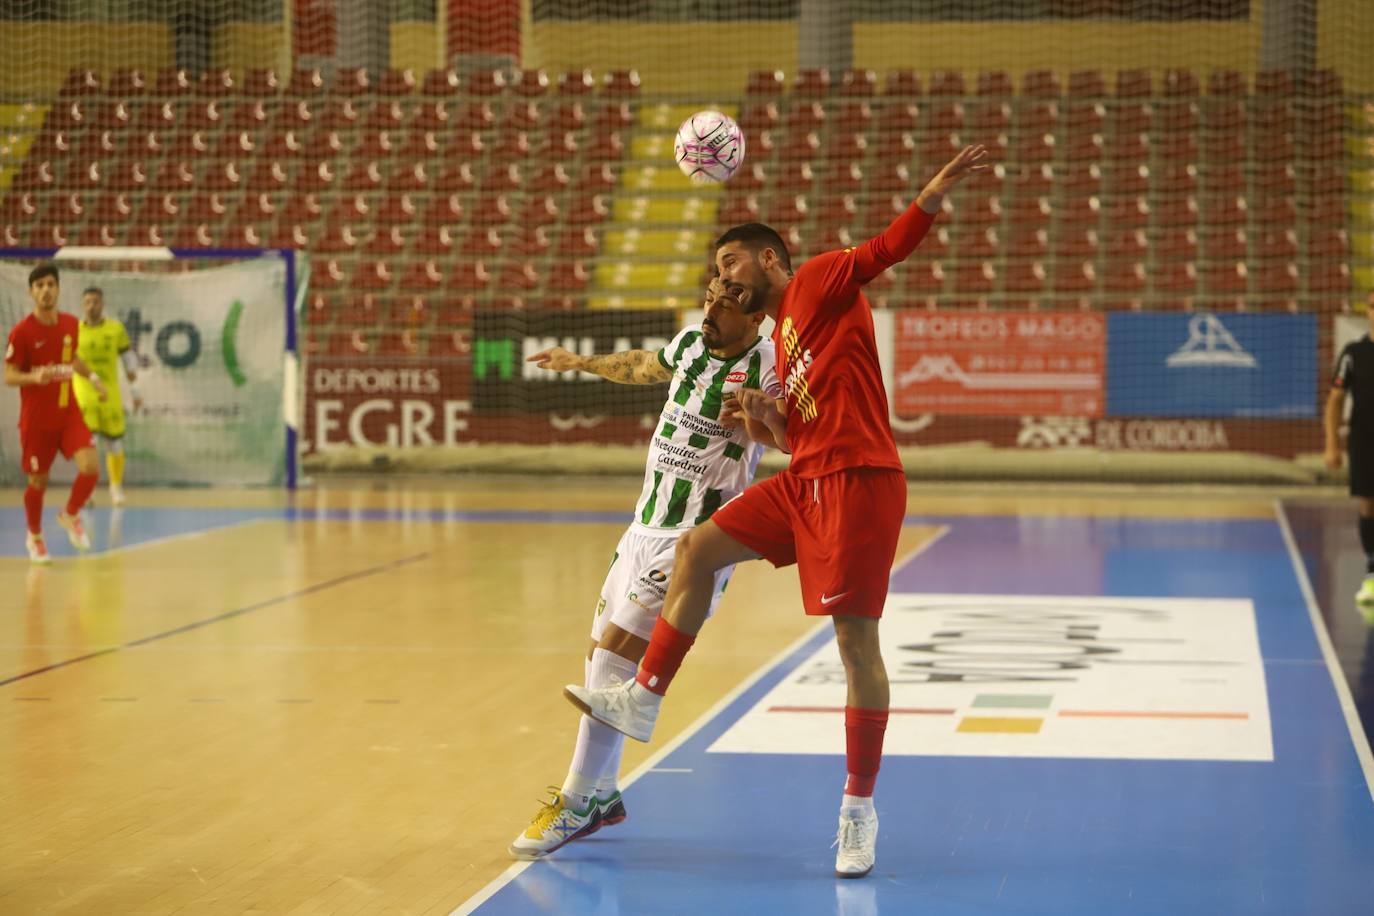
point(709, 147)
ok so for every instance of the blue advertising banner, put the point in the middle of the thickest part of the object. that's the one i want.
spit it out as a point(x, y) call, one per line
point(1205, 365)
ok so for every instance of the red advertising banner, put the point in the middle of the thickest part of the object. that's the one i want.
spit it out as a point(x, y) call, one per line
point(999, 364)
point(401, 404)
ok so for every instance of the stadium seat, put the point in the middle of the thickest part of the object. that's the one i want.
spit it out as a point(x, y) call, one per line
point(948, 83)
point(1133, 84)
point(1227, 84)
point(1273, 83)
point(1075, 277)
point(1024, 277)
point(995, 83)
point(306, 82)
point(1223, 244)
point(392, 83)
point(765, 82)
point(1178, 83)
point(1087, 84)
point(858, 83)
point(441, 83)
point(902, 84)
point(1040, 84)
point(1126, 278)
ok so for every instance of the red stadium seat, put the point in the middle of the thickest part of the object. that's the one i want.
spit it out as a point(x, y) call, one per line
point(1124, 278)
point(948, 82)
point(1133, 84)
point(1088, 84)
point(1041, 84)
point(1024, 277)
point(1179, 83)
point(393, 82)
point(902, 84)
point(443, 83)
point(1227, 84)
point(1273, 83)
point(858, 83)
point(765, 82)
point(1075, 277)
point(1225, 244)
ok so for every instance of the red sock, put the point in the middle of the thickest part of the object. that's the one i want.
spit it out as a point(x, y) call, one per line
point(863, 744)
point(33, 509)
point(667, 648)
point(81, 491)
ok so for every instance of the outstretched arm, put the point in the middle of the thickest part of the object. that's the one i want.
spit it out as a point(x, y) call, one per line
point(900, 239)
point(629, 367)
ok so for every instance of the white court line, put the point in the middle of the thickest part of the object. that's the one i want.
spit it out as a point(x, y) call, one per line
point(1333, 668)
point(515, 870)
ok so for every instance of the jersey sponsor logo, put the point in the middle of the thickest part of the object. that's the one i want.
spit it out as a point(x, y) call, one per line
point(1209, 343)
point(737, 378)
point(36, 344)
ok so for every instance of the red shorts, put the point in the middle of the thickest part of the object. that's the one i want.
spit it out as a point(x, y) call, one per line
point(40, 446)
point(841, 530)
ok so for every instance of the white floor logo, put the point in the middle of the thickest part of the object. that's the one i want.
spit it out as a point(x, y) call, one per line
point(1211, 344)
point(1014, 676)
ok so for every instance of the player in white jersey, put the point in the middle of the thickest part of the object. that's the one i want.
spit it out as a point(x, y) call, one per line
point(699, 459)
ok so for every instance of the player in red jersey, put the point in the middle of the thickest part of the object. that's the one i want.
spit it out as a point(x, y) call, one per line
point(836, 511)
point(40, 361)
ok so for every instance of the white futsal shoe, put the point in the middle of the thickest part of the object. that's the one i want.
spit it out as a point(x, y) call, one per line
point(627, 707)
point(38, 550)
point(116, 494)
point(857, 842)
point(76, 532)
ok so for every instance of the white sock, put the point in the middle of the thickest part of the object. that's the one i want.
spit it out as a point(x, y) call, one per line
point(856, 804)
point(596, 758)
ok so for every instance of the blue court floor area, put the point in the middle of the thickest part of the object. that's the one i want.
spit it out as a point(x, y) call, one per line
point(1095, 716)
point(120, 528)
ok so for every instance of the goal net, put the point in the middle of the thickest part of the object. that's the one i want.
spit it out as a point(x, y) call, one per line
point(1155, 281)
point(212, 337)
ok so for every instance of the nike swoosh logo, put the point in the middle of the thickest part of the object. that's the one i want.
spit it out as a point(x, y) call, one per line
point(831, 599)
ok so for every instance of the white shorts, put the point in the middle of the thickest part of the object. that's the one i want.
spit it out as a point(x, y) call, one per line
point(637, 582)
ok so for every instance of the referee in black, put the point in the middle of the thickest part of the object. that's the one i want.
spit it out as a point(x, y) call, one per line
point(1354, 376)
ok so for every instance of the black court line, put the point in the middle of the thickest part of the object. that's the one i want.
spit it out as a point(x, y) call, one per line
point(227, 615)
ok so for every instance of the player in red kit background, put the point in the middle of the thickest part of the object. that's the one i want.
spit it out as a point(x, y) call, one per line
point(40, 360)
point(838, 508)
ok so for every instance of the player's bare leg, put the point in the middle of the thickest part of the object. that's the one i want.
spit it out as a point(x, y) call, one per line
point(865, 721)
point(33, 510)
point(87, 473)
point(633, 707)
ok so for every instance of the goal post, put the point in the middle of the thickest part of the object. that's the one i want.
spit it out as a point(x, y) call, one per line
point(214, 332)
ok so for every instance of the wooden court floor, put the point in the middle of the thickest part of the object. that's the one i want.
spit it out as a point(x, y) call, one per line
point(346, 701)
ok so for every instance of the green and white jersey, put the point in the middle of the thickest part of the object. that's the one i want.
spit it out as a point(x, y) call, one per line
point(695, 464)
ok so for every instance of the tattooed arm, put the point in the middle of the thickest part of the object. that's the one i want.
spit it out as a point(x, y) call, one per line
point(629, 367)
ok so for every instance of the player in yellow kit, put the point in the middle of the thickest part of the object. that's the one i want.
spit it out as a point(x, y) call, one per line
point(103, 344)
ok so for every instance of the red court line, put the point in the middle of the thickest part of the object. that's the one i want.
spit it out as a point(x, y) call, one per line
point(899, 710)
point(1150, 714)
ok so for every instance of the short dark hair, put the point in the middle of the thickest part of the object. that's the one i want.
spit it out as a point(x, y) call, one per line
point(46, 269)
point(756, 237)
point(93, 289)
